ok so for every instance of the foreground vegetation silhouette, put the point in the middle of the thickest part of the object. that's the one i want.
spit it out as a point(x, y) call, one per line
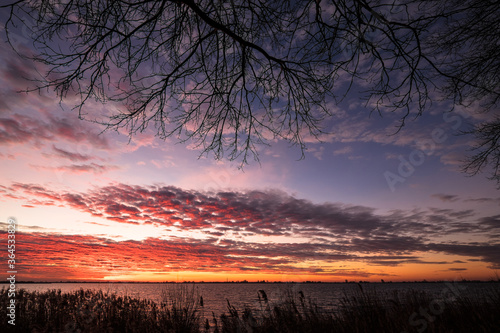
point(182, 310)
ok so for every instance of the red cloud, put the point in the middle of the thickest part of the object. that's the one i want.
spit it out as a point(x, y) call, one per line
point(335, 231)
point(65, 257)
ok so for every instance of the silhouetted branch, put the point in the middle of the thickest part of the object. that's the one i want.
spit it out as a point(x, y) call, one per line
point(229, 76)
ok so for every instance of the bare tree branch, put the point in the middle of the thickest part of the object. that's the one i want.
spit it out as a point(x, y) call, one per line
point(229, 76)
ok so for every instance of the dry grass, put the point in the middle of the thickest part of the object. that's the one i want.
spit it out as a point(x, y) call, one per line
point(95, 311)
point(182, 311)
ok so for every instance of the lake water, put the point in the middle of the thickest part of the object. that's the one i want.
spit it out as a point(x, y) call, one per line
point(242, 295)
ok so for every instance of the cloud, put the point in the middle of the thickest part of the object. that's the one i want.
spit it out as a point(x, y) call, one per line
point(490, 222)
point(342, 151)
point(488, 252)
point(32, 118)
point(80, 168)
point(165, 163)
point(317, 153)
point(60, 256)
point(455, 159)
point(21, 129)
point(12, 131)
point(484, 200)
point(74, 157)
point(234, 219)
point(446, 197)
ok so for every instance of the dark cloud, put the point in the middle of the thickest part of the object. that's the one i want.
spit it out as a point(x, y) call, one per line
point(490, 222)
point(74, 157)
point(446, 197)
point(16, 75)
point(37, 129)
point(12, 131)
point(484, 200)
point(31, 117)
point(488, 252)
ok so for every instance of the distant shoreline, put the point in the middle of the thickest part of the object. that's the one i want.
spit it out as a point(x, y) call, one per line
point(248, 282)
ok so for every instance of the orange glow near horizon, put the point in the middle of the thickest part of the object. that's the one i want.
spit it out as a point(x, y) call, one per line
point(400, 275)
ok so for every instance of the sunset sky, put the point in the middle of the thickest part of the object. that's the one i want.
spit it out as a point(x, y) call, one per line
point(365, 204)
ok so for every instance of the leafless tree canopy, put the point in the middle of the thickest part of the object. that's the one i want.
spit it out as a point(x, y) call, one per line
point(232, 74)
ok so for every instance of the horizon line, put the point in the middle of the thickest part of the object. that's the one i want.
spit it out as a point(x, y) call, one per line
point(244, 281)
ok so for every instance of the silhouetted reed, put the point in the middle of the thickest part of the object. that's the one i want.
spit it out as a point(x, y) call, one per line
point(181, 310)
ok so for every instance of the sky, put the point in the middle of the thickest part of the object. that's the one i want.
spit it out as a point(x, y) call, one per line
point(366, 203)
